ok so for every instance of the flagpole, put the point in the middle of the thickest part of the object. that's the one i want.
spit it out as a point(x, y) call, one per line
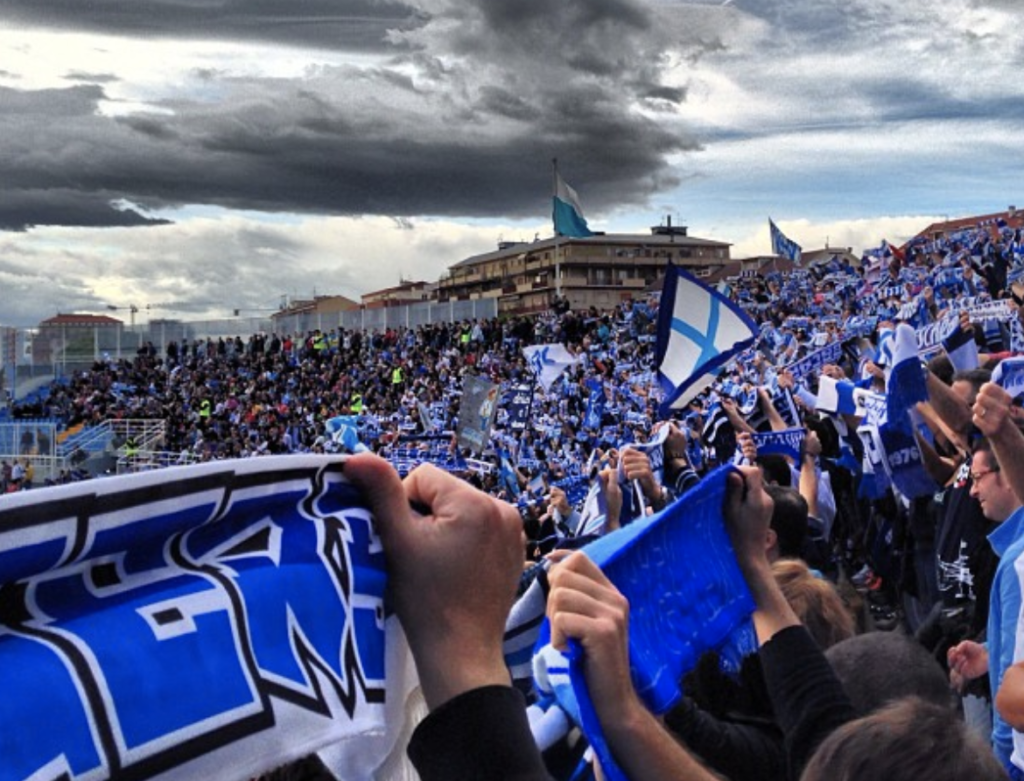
point(558, 263)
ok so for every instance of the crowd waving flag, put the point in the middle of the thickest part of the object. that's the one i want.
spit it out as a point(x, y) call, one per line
point(209, 621)
point(567, 213)
point(783, 246)
point(699, 332)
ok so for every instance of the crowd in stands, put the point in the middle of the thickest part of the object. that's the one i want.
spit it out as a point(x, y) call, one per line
point(862, 522)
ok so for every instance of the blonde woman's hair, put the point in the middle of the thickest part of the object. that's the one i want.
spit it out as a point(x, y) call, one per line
point(815, 601)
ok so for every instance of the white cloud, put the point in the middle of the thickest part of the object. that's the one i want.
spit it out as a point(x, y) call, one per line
point(204, 267)
point(859, 235)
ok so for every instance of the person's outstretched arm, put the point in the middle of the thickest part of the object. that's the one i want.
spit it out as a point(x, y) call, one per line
point(953, 410)
point(997, 417)
point(807, 698)
point(452, 575)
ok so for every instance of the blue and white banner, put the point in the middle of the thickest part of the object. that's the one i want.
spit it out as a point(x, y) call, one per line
point(548, 361)
point(517, 403)
point(209, 621)
point(1009, 375)
point(567, 214)
point(932, 335)
point(655, 451)
point(891, 454)
point(906, 466)
point(873, 407)
point(699, 332)
point(813, 363)
point(839, 397)
point(789, 442)
point(406, 458)
point(507, 477)
point(783, 246)
point(596, 401)
point(575, 487)
point(961, 349)
point(906, 384)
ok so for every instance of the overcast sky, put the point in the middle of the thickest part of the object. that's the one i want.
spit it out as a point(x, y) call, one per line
point(200, 156)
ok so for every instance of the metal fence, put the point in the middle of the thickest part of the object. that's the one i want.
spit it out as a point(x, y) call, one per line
point(28, 438)
point(408, 316)
point(114, 445)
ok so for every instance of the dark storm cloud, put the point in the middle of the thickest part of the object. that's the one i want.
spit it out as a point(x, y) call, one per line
point(470, 134)
point(91, 78)
point(29, 208)
point(328, 24)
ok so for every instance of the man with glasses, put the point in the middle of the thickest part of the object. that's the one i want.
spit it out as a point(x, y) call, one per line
point(993, 487)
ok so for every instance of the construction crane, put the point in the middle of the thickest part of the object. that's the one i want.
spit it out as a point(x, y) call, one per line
point(131, 309)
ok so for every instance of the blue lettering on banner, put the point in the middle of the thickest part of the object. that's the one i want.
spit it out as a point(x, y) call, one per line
point(813, 363)
point(540, 359)
point(157, 631)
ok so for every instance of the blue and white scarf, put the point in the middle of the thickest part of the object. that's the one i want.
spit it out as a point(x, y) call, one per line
point(788, 442)
point(812, 364)
point(197, 622)
point(695, 600)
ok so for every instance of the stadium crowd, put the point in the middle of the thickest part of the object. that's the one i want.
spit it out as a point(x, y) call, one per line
point(852, 508)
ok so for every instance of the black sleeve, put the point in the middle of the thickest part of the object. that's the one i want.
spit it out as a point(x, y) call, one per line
point(738, 750)
point(684, 480)
point(808, 700)
point(481, 734)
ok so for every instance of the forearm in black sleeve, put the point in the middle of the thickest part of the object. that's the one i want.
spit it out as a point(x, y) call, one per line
point(808, 700)
point(739, 751)
point(481, 734)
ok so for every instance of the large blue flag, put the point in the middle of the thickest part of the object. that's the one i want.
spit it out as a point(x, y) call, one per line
point(699, 332)
point(567, 213)
point(694, 599)
point(209, 621)
point(783, 246)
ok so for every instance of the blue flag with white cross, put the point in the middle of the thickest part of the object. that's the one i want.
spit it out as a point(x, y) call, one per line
point(699, 332)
